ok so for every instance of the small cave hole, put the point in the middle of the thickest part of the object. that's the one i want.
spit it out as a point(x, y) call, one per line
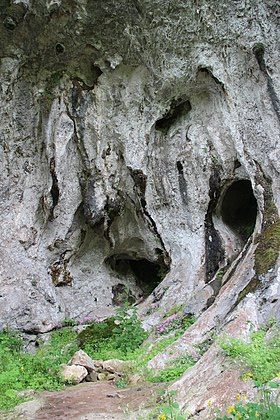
point(148, 275)
point(258, 51)
point(59, 48)
point(239, 208)
point(9, 23)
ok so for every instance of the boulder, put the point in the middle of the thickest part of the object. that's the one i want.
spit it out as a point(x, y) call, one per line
point(91, 377)
point(73, 374)
point(111, 377)
point(102, 376)
point(80, 358)
point(115, 365)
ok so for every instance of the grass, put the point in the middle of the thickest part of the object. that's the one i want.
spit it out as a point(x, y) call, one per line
point(260, 356)
point(173, 371)
point(21, 371)
point(121, 337)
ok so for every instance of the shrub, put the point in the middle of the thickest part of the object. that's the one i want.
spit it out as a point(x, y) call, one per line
point(128, 332)
point(252, 411)
point(167, 408)
point(115, 337)
point(97, 334)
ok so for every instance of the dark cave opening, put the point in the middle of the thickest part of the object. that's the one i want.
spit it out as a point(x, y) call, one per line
point(148, 275)
point(239, 208)
point(178, 108)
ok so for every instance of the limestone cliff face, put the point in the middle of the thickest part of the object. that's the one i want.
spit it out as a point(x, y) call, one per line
point(139, 154)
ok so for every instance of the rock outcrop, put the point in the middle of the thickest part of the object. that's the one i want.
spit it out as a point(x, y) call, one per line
point(115, 118)
point(140, 162)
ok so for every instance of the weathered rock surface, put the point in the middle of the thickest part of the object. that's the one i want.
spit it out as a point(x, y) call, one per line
point(82, 359)
point(139, 152)
point(115, 365)
point(73, 374)
point(150, 112)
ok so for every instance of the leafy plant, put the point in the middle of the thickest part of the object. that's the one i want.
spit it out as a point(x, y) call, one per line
point(68, 322)
point(167, 408)
point(115, 337)
point(220, 273)
point(97, 335)
point(260, 356)
point(266, 408)
point(121, 383)
point(252, 411)
point(174, 310)
point(121, 337)
point(128, 333)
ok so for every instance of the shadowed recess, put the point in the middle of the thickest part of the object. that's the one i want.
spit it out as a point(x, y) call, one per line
point(178, 108)
point(147, 274)
point(239, 208)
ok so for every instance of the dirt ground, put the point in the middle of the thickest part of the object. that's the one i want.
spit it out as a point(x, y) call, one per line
point(89, 401)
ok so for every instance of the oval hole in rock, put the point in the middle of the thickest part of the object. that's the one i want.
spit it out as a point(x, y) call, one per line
point(239, 208)
point(59, 48)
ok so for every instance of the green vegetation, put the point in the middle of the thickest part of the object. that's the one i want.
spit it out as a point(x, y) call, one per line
point(261, 359)
point(260, 356)
point(166, 408)
point(253, 411)
point(265, 408)
point(20, 371)
point(268, 248)
point(177, 323)
point(68, 322)
point(220, 273)
point(174, 310)
point(116, 337)
point(173, 371)
point(121, 337)
point(122, 383)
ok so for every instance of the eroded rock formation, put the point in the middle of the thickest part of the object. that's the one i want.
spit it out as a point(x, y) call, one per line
point(139, 157)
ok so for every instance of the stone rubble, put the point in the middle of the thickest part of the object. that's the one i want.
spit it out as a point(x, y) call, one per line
point(82, 367)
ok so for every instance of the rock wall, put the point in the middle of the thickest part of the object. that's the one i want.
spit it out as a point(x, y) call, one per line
point(139, 154)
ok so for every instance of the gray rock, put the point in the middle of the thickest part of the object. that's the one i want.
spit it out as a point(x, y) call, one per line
point(102, 376)
point(82, 359)
point(92, 377)
point(139, 151)
point(115, 365)
point(73, 374)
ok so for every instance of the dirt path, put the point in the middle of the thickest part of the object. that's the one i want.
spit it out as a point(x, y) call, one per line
point(89, 401)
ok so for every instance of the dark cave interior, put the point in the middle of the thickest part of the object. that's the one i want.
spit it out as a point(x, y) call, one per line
point(147, 274)
point(239, 208)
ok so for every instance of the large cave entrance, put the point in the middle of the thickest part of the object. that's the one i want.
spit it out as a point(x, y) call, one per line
point(239, 208)
point(147, 274)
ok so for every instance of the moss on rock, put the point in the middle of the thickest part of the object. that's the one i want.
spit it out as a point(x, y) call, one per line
point(268, 248)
